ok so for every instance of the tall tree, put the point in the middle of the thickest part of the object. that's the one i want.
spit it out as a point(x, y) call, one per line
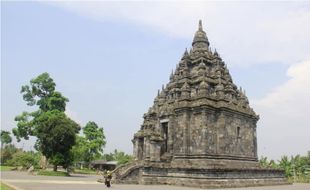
point(79, 150)
point(90, 146)
point(5, 138)
point(95, 139)
point(55, 132)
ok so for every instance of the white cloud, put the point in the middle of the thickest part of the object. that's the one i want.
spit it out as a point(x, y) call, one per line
point(284, 126)
point(243, 32)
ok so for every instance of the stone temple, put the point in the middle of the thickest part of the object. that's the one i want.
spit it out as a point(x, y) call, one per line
point(200, 131)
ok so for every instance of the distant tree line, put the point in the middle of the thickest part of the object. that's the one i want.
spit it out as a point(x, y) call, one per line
point(297, 168)
point(119, 156)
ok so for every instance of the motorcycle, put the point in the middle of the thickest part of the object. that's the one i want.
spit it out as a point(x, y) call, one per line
point(108, 178)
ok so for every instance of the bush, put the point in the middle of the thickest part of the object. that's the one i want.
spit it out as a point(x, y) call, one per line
point(24, 159)
point(7, 153)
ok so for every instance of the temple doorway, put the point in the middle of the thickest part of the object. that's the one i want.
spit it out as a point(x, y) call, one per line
point(164, 147)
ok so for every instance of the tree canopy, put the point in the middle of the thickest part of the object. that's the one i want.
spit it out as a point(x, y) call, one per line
point(90, 146)
point(55, 132)
point(5, 138)
point(119, 156)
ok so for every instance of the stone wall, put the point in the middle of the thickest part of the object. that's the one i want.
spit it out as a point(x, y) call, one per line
point(209, 132)
point(212, 178)
point(164, 173)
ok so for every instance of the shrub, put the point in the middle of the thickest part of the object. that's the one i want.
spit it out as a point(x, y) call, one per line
point(7, 153)
point(24, 159)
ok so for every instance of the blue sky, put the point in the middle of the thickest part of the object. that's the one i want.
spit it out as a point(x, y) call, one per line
point(109, 59)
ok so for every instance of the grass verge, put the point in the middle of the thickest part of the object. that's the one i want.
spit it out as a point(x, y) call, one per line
point(5, 187)
point(52, 173)
point(6, 168)
point(85, 171)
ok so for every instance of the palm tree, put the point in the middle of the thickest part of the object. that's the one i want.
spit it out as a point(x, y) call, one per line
point(263, 162)
point(286, 165)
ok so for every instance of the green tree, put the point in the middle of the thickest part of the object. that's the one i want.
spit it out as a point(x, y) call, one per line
point(56, 136)
point(90, 146)
point(286, 165)
point(79, 150)
point(5, 138)
point(263, 162)
point(95, 140)
point(299, 163)
point(55, 132)
point(119, 156)
point(273, 164)
point(296, 168)
point(108, 157)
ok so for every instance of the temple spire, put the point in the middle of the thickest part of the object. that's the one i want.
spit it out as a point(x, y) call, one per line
point(200, 38)
point(200, 26)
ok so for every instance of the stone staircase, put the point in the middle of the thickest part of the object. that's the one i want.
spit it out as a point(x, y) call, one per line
point(127, 173)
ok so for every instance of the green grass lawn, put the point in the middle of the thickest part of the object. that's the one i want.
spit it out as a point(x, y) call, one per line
point(52, 173)
point(6, 168)
point(85, 171)
point(5, 187)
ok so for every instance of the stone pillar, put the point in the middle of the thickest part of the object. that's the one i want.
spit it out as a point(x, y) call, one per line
point(136, 148)
point(170, 134)
point(147, 148)
point(255, 141)
point(186, 131)
point(204, 129)
point(154, 151)
point(219, 131)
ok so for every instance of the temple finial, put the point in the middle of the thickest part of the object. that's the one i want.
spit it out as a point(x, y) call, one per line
point(201, 38)
point(185, 52)
point(171, 75)
point(200, 25)
point(215, 53)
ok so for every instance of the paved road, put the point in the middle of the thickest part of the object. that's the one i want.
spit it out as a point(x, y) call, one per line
point(23, 181)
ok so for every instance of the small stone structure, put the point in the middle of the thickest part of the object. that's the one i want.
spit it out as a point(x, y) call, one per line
point(200, 131)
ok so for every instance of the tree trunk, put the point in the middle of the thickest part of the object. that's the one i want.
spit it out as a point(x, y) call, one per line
point(55, 168)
